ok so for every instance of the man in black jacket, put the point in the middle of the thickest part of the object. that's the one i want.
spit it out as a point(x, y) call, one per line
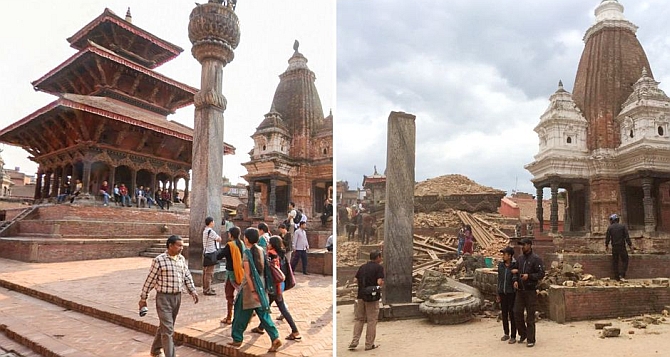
point(526, 277)
point(617, 233)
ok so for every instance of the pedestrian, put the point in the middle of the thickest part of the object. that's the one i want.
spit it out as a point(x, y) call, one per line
point(461, 241)
point(252, 296)
point(530, 271)
point(291, 221)
point(168, 275)
point(468, 245)
point(209, 240)
point(366, 308)
point(300, 248)
point(104, 191)
point(617, 233)
point(264, 232)
point(232, 253)
point(277, 256)
point(77, 190)
point(329, 243)
point(288, 242)
point(506, 293)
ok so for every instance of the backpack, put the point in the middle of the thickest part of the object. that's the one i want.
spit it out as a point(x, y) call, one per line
point(298, 217)
point(372, 293)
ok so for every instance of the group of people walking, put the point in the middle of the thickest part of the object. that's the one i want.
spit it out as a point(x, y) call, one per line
point(253, 259)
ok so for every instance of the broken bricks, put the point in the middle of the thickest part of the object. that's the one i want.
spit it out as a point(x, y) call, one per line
point(601, 325)
point(609, 331)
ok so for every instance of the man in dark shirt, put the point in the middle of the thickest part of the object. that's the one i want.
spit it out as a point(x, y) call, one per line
point(530, 271)
point(369, 274)
point(617, 233)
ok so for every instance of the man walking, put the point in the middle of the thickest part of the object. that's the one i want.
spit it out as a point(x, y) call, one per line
point(286, 238)
point(300, 248)
point(168, 275)
point(617, 233)
point(526, 278)
point(291, 217)
point(209, 240)
point(366, 308)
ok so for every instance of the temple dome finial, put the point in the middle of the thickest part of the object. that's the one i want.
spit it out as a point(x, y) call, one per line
point(296, 44)
point(129, 17)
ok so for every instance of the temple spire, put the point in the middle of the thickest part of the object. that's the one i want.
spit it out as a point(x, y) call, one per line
point(129, 17)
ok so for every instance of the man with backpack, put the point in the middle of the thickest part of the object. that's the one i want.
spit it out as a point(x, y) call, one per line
point(370, 279)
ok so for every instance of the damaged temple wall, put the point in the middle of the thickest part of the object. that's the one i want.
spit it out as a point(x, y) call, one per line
point(640, 266)
point(598, 302)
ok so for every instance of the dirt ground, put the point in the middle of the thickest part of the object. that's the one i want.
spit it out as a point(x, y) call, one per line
point(481, 337)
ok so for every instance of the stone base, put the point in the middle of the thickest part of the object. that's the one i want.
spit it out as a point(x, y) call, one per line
point(400, 311)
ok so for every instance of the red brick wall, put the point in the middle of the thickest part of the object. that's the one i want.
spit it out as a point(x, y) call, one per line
point(58, 251)
point(100, 229)
point(589, 303)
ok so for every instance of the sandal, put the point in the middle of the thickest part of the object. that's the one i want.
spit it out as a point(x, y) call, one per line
point(293, 337)
point(226, 321)
point(275, 345)
point(257, 330)
point(371, 347)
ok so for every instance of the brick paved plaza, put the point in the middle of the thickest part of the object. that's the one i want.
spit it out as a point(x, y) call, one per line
point(89, 308)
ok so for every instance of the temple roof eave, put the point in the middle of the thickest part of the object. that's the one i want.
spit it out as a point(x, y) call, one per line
point(110, 16)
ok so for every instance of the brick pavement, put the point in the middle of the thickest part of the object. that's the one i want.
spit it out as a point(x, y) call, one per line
point(109, 290)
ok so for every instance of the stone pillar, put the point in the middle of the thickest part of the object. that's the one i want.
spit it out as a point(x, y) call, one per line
point(553, 216)
point(624, 203)
point(568, 210)
point(153, 182)
point(251, 201)
point(214, 31)
point(47, 183)
point(86, 176)
point(63, 178)
point(399, 214)
point(133, 184)
point(587, 208)
point(272, 207)
point(38, 185)
point(539, 210)
point(648, 203)
point(56, 183)
point(186, 193)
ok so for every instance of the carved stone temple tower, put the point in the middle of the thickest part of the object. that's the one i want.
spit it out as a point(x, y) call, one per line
point(607, 144)
point(214, 31)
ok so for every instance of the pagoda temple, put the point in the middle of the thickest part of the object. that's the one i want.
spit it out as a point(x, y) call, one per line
point(292, 158)
point(607, 144)
point(109, 122)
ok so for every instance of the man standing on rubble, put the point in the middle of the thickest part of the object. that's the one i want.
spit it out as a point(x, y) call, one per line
point(617, 233)
point(525, 280)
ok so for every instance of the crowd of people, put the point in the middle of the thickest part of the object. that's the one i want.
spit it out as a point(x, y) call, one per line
point(259, 270)
point(121, 195)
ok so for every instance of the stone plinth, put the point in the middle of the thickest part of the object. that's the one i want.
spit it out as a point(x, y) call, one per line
point(399, 214)
point(450, 308)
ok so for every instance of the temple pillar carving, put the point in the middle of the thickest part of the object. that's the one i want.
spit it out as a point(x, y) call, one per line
point(251, 201)
point(539, 210)
point(86, 176)
point(112, 178)
point(38, 185)
point(648, 203)
point(553, 216)
point(56, 182)
point(273, 197)
point(624, 203)
point(133, 182)
point(47, 184)
point(187, 180)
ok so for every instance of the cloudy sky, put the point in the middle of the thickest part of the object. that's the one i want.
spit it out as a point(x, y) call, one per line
point(477, 74)
point(34, 42)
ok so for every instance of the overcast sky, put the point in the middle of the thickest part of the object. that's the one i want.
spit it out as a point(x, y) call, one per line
point(477, 74)
point(34, 42)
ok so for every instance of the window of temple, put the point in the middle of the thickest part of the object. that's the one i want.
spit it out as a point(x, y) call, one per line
point(631, 133)
point(660, 131)
point(569, 140)
point(325, 151)
point(264, 147)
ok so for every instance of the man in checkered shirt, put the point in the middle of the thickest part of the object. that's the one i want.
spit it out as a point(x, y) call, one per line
point(168, 275)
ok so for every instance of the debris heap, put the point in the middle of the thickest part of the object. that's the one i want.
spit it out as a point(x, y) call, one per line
point(451, 185)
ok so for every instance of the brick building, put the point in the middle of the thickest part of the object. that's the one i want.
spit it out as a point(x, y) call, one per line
point(292, 158)
point(607, 143)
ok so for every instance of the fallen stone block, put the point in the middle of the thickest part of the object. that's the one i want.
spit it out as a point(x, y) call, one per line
point(639, 324)
point(610, 331)
point(601, 325)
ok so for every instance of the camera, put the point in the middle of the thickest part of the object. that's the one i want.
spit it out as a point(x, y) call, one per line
point(143, 311)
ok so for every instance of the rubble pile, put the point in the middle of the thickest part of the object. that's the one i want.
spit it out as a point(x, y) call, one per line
point(451, 185)
point(347, 253)
point(438, 219)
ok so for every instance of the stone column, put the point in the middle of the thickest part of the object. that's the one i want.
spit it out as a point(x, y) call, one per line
point(587, 208)
point(38, 185)
point(56, 183)
point(86, 176)
point(399, 214)
point(133, 184)
point(251, 201)
point(648, 203)
point(272, 207)
point(539, 210)
point(63, 178)
point(624, 203)
point(186, 193)
point(214, 31)
point(153, 182)
point(553, 216)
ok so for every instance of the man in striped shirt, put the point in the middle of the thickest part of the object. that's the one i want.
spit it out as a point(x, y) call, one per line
point(168, 275)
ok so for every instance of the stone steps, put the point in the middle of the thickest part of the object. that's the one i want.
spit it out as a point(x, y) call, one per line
point(49, 330)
